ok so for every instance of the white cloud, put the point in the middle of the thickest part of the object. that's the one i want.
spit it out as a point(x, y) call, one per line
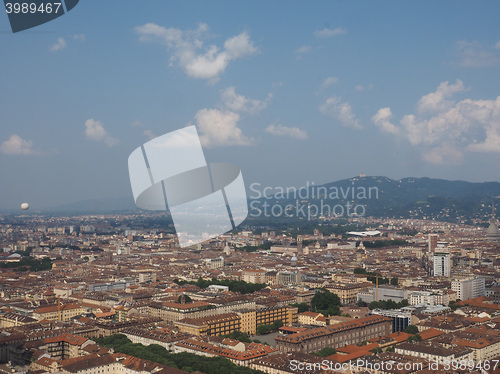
point(329, 81)
point(137, 123)
point(60, 44)
point(436, 101)
point(239, 46)
point(16, 145)
point(80, 37)
point(94, 130)
point(360, 87)
point(445, 129)
point(382, 120)
point(241, 104)
point(149, 134)
point(327, 33)
point(340, 111)
point(302, 51)
point(220, 128)
point(190, 54)
point(442, 155)
point(472, 54)
point(292, 132)
point(179, 139)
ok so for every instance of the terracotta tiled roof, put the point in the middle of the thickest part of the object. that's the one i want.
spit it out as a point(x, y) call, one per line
point(430, 333)
point(327, 330)
point(68, 338)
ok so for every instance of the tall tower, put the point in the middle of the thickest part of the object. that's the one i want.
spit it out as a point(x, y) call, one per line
point(493, 232)
point(299, 244)
point(432, 242)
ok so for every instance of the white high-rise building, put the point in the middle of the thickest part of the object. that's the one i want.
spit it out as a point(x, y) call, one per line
point(442, 264)
point(469, 288)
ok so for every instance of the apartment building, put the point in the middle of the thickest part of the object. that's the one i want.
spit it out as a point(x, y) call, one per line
point(468, 288)
point(338, 335)
point(58, 312)
point(221, 324)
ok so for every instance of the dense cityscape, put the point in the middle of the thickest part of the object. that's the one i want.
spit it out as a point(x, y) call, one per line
point(83, 294)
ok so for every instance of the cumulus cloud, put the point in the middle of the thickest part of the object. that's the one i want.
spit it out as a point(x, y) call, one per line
point(149, 134)
point(329, 81)
point(60, 44)
point(292, 132)
point(338, 110)
point(189, 52)
point(436, 101)
point(94, 130)
point(80, 37)
point(220, 128)
point(241, 104)
point(327, 33)
point(299, 52)
point(16, 145)
point(472, 54)
point(382, 120)
point(360, 87)
point(442, 155)
point(303, 49)
point(180, 140)
point(444, 129)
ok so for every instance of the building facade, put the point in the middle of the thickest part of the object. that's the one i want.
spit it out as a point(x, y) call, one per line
point(338, 335)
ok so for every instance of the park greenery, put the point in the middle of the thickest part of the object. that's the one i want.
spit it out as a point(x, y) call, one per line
point(302, 307)
point(411, 329)
point(184, 361)
point(383, 243)
point(234, 285)
point(326, 303)
point(242, 337)
point(325, 352)
point(266, 329)
point(372, 277)
point(415, 338)
point(28, 264)
point(387, 304)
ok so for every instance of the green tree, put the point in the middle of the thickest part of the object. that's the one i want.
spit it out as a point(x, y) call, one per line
point(411, 329)
point(238, 335)
point(360, 271)
point(394, 281)
point(361, 303)
point(184, 361)
point(326, 301)
point(325, 352)
point(302, 307)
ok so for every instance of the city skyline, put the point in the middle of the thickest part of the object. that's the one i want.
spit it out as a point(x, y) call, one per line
point(290, 92)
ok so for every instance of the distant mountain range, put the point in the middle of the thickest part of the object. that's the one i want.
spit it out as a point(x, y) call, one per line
point(429, 198)
point(381, 197)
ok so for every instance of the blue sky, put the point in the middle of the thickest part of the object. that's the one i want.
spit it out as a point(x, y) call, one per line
point(290, 91)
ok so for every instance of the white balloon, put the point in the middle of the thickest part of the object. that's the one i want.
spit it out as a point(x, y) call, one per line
point(25, 206)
